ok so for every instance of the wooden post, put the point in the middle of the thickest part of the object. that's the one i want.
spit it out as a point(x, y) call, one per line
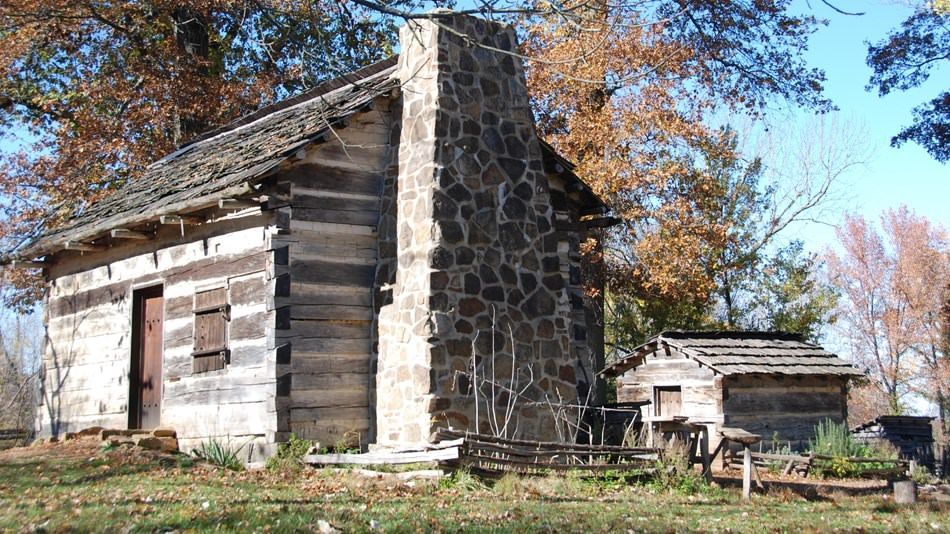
point(746, 472)
point(905, 492)
point(704, 451)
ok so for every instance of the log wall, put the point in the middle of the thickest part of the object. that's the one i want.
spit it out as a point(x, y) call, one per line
point(335, 193)
point(89, 325)
point(788, 407)
point(701, 390)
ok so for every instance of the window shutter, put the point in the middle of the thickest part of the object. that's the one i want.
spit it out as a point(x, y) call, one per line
point(211, 313)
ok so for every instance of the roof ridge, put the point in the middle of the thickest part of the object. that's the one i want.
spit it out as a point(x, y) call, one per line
point(322, 89)
point(732, 334)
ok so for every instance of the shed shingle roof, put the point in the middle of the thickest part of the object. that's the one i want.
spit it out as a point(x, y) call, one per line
point(733, 353)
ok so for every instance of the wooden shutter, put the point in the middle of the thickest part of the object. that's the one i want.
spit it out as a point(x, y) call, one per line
point(211, 313)
point(669, 401)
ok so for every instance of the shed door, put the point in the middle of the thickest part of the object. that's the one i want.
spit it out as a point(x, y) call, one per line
point(145, 403)
point(669, 400)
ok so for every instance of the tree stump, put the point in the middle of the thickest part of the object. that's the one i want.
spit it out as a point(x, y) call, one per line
point(905, 492)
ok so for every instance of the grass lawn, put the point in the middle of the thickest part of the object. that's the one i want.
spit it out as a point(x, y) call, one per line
point(77, 487)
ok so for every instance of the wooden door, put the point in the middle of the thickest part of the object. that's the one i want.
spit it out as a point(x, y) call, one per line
point(669, 401)
point(145, 399)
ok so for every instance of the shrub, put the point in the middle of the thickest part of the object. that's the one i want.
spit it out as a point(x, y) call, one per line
point(289, 454)
point(835, 440)
point(673, 472)
point(220, 454)
point(510, 485)
point(461, 479)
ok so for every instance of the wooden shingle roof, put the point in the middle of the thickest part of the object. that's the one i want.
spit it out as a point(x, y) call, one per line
point(228, 161)
point(234, 155)
point(736, 353)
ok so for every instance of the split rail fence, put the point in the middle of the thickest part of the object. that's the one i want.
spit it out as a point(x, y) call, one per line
point(490, 455)
point(803, 465)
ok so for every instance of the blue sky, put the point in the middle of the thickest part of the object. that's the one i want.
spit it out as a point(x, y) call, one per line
point(892, 176)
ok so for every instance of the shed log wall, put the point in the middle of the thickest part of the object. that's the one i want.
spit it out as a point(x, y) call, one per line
point(331, 278)
point(88, 349)
point(788, 407)
point(701, 389)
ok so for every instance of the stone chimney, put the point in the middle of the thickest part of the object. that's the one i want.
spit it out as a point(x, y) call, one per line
point(479, 279)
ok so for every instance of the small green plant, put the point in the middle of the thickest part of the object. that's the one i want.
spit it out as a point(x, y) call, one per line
point(673, 473)
point(921, 475)
point(108, 446)
point(461, 479)
point(835, 440)
point(289, 454)
point(184, 461)
point(220, 453)
point(348, 444)
point(511, 485)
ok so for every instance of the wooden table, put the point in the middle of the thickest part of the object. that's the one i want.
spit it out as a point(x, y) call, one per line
point(695, 433)
point(747, 440)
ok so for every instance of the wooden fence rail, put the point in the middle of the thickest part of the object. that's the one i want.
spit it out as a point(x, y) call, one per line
point(803, 464)
point(492, 455)
point(10, 437)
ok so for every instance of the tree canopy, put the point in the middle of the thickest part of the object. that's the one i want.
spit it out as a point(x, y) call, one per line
point(905, 59)
point(895, 285)
point(624, 89)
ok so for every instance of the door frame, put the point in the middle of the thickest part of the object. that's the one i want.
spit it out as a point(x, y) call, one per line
point(139, 295)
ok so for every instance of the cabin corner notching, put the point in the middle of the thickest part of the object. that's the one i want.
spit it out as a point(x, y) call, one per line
point(331, 265)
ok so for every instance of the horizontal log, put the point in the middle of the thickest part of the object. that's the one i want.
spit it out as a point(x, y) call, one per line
point(362, 218)
point(329, 413)
point(332, 273)
point(332, 179)
point(442, 434)
point(331, 329)
point(332, 431)
point(344, 398)
point(645, 466)
point(312, 345)
point(330, 381)
point(749, 402)
point(330, 312)
point(305, 362)
point(323, 295)
point(360, 203)
point(378, 458)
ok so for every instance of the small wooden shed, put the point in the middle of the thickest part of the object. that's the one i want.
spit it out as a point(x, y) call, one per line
point(771, 383)
point(912, 436)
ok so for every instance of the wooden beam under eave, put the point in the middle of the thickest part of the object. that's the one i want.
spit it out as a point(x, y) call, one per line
point(187, 220)
point(122, 233)
point(83, 247)
point(237, 203)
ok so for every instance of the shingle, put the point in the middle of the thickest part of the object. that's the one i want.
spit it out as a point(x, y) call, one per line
point(234, 154)
point(732, 353)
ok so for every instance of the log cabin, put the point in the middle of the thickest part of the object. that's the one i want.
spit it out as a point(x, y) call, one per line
point(773, 384)
point(911, 436)
point(341, 265)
